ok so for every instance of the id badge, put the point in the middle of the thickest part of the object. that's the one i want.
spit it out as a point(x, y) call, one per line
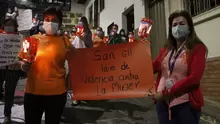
point(169, 83)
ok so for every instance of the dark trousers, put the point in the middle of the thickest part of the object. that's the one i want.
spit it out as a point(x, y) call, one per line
point(180, 114)
point(2, 79)
point(35, 105)
point(11, 81)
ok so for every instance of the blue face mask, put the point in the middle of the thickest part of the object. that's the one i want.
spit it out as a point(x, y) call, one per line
point(180, 31)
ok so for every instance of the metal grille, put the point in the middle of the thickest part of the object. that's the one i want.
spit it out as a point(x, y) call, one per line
point(196, 7)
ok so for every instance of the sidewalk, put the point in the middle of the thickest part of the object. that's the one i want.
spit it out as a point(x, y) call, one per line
point(123, 111)
point(211, 112)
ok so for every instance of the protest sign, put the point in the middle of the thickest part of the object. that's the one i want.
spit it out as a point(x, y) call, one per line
point(111, 72)
point(24, 19)
point(10, 45)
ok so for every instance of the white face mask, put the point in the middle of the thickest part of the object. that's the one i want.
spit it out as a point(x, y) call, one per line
point(9, 29)
point(51, 28)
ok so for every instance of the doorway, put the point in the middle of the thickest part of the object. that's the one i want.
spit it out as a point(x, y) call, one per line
point(155, 11)
point(130, 21)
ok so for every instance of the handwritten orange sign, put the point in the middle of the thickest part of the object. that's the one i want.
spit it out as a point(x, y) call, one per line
point(111, 72)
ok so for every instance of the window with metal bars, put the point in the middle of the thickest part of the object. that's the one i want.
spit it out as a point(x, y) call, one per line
point(196, 7)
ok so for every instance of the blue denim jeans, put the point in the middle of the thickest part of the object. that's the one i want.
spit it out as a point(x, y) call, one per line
point(180, 114)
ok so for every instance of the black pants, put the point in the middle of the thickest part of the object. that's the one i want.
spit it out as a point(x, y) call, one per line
point(35, 105)
point(2, 79)
point(180, 114)
point(11, 81)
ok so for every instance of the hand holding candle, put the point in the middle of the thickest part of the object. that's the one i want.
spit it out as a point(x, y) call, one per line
point(106, 39)
point(80, 28)
point(144, 28)
point(131, 37)
point(30, 49)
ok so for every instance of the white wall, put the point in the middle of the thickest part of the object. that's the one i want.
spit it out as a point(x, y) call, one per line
point(114, 9)
point(88, 5)
point(207, 30)
point(77, 8)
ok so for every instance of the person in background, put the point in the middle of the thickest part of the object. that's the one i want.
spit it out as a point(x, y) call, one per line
point(131, 37)
point(180, 66)
point(4, 8)
point(35, 25)
point(123, 35)
point(73, 33)
point(98, 40)
point(114, 37)
point(87, 34)
point(66, 33)
point(45, 89)
point(13, 73)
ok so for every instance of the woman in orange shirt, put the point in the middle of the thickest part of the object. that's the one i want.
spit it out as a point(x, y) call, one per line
point(45, 89)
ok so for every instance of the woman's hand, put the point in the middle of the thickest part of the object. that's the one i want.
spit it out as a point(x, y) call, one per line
point(25, 66)
point(158, 96)
point(163, 95)
point(82, 36)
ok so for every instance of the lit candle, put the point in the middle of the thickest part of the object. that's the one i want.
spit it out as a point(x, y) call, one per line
point(145, 27)
point(26, 46)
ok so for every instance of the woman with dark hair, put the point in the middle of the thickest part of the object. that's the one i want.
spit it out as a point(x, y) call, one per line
point(87, 34)
point(13, 72)
point(180, 66)
point(45, 89)
point(114, 37)
point(123, 35)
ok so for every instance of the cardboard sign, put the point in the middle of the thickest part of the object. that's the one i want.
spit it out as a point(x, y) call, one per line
point(111, 72)
point(10, 46)
point(24, 19)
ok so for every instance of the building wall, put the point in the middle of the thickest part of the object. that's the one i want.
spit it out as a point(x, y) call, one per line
point(114, 9)
point(71, 18)
point(77, 8)
point(207, 28)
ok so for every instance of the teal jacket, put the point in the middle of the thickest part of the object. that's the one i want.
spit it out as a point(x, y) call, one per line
point(116, 39)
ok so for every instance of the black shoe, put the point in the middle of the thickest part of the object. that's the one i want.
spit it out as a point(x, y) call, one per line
point(75, 102)
point(7, 120)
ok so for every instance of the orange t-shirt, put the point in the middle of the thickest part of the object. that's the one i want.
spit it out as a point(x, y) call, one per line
point(47, 73)
point(98, 42)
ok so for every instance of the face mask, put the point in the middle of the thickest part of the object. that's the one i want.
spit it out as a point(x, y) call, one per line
point(97, 32)
point(130, 36)
point(180, 31)
point(80, 24)
point(41, 29)
point(74, 30)
point(112, 33)
point(50, 28)
point(9, 29)
point(114, 30)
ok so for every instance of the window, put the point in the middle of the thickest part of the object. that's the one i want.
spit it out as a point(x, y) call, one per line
point(101, 5)
point(196, 7)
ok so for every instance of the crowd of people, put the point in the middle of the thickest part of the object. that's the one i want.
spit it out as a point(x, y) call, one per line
point(179, 65)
